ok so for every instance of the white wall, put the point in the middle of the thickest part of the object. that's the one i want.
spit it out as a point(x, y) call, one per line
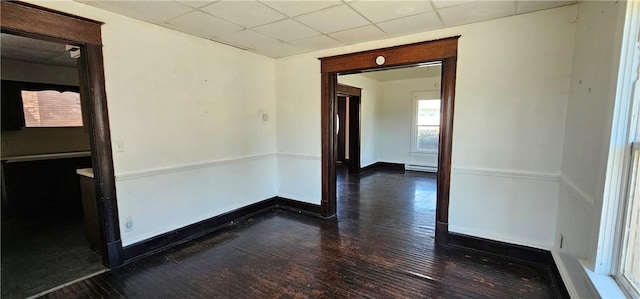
point(395, 121)
point(369, 102)
point(512, 84)
point(587, 131)
point(387, 110)
point(189, 113)
point(39, 73)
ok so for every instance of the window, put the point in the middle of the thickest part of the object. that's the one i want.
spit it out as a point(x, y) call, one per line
point(426, 122)
point(34, 105)
point(51, 108)
point(629, 265)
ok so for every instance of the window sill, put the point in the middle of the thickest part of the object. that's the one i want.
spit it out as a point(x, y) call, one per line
point(605, 285)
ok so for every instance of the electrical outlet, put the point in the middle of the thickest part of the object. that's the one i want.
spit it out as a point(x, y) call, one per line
point(128, 224)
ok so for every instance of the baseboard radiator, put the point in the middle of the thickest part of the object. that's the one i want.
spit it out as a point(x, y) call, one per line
point(414, 167)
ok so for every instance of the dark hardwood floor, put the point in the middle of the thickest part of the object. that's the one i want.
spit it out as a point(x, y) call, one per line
point(43, 251)
point(380, 246)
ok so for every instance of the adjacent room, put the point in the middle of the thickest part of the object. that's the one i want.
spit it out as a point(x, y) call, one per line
point(268, 148)
point(49, 236)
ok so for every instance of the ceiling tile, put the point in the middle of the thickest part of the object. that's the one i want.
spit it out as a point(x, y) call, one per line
point(244, 13)
point(286, 30)
point(298, 7)
point(447, 3)
point(333, 19)
point(529, 6)
point(150, 11)
point(379, 11)
point(413, 24)
point(247, 39)
point(63, 59)
point(359, 35)
point(278, 50)
point(202, 24)
point(316, 43)
point(476, 12)
point(195, 4)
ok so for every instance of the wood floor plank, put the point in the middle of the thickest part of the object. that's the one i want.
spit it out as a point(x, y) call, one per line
point(380, 246)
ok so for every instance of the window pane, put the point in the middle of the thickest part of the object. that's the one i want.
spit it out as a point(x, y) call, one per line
point(428, 138)
point(428, 113)
point(50, 108)
point(631, 251)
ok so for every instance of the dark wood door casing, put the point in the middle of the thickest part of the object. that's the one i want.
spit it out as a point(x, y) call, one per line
point(42, 23)
point(342, 122)
point(444, 50)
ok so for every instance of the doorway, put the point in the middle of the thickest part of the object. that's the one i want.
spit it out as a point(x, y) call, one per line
point(23, 19)
point(444, 50)
point(44, 143)
point(348, 139)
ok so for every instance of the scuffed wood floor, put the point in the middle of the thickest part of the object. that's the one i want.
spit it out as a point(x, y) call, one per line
point(381, 246)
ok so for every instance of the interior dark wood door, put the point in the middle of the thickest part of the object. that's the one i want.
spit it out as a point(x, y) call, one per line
point(342, 125)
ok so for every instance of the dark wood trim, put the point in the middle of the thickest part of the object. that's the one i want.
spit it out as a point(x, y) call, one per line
point(35, 86)
point(20, 17)
point(102, 155)
point(394, 56)
point(387, 165)
point(198, 229)
point(448, 83)
point(297, 206)
point(445, 50)
point(343, 89)
point(327, 110)
point(511, 251)
point(216, 223)
point(41, 23)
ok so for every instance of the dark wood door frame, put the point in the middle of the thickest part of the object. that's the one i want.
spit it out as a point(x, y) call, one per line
point(342, 124)
point(354, 94)
point(45, 24)
point(444, 50)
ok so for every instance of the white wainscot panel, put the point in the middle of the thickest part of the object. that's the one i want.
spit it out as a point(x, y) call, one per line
point(162, 200)
point(508, 206)
point(573, 233)
point(300, 177)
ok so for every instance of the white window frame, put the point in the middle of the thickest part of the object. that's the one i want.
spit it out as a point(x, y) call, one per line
point(624, 131)
point(624, 234)
point(415, 97)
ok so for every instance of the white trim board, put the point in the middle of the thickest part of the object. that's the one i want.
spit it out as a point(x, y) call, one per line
point(585, 200)
point(188, 167)
point(550, 177)
point(564, 274)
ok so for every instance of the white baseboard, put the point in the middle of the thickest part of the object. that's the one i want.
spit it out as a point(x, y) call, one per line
point(564, 274)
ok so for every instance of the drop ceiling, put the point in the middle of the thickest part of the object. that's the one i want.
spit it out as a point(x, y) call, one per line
point(277, 28)
point(36, 51)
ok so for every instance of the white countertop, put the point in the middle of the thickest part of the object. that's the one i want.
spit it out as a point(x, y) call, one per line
point(88, 172)
point(46, 156)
